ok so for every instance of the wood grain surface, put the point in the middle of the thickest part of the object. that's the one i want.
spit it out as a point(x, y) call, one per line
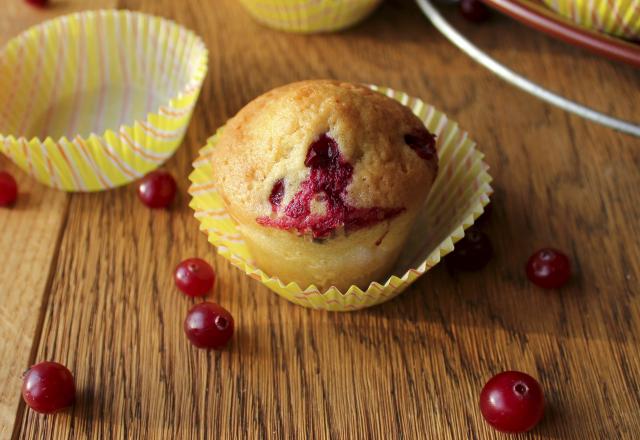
point(30, 236)
point(86, 279)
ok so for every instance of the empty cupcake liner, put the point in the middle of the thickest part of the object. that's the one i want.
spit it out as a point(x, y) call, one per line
point(457, 198)
point(616, 17)
point(97, 99)
point(310, 15)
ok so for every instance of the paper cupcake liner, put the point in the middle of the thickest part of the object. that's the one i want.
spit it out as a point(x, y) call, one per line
point(457, 198)
point(94, 100)
point(310, 15)
point(616, 17)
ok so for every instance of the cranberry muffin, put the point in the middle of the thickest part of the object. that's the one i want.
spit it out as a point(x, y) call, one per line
point(325, 180)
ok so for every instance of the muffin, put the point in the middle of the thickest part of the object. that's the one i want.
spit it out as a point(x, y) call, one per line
point(325, 180)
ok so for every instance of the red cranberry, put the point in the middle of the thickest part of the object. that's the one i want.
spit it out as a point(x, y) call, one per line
point(277, 194)
point(486, 216)
point(39, 3)
point(471, 253)
point(157, 189)
point(549, 268)
point(48, 387)
point(8, 189)
point(208, 325)
point(322, 153)
point(195, 277)
point(512, 402)
point(474, 10)
point(423, 143)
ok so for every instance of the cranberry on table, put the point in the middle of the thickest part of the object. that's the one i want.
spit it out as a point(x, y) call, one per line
point(194, 277)
point(512, 402)
point(48, 387)
point(208, 325)
point(40, 3)
point(549, 268)
point(157, 189)
point(471, 253)
point(474, 10)
point(485, 218)
point(8, 189)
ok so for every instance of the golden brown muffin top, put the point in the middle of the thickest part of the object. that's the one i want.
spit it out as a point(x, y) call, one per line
point(317, 155)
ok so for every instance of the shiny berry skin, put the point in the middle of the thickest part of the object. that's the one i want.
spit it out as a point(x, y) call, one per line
point(512, 402)
point(549, 268)
point(194, 277)
point(39, 3)
point(471, 253)
point(208, 325)
point(474, 10)
point(157, 189)
point(8, 189)
point(48, 387)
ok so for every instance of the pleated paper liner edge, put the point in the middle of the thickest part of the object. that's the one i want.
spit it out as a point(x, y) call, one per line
point(622, 19)
point(120, 155)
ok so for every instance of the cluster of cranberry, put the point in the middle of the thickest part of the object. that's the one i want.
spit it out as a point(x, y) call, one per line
point(548, 267)
point(511, 401)
point(207, 325)
point(49, 387)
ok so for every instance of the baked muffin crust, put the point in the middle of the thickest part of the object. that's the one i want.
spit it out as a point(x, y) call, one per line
point(318, 157)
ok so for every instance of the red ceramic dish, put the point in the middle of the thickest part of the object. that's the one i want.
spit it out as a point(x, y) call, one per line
point(540, 17)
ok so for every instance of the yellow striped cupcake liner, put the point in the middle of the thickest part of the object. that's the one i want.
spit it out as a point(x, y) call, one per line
point(97, 99)
point(457, 198)
point(616, 17)
point(310, 15)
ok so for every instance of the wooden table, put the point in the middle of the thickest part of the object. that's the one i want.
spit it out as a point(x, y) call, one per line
point(86, 279)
